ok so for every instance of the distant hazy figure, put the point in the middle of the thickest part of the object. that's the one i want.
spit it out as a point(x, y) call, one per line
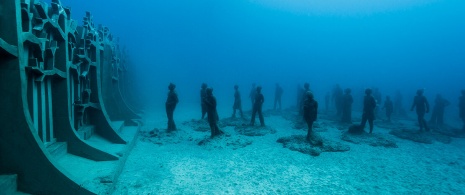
point(237, 102)
point(210, 103)
point(203, 94)
point(347, 101)
point(389, 107)
point(310, 108)
point(421, 103)
point(303, 97)
point(252, 93)
point(437, 116)
point(369, 105)
point(327, 101)
point(337, 98)
point(398, 103)
point(462, 108)
point(257, 107)
point(278, 93)
point(170, 105)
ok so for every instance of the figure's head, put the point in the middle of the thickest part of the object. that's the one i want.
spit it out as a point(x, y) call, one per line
point(420, 91)
point(309, 95)
point(259, 89)
point(307, 86)
point(204, 86)
point(171, 86)
point(236, 87)
point(368, 91)
point(348, 91)
point(209, 91)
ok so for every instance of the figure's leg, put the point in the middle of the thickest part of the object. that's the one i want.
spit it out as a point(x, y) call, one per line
point(420, 121)
point(252, 120)
point(260, 115)
point(234, 113)
point(310, 129)
point(364, 121)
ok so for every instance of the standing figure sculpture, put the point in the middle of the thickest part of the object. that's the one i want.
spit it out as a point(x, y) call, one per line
point(203, 94)
point(437, 116)
point(389, 106)
point(237, 102)
point(170, 105)
point(210, 103)
point(462, 108)
point(422, 107)
point(310, 109)
point(257, 107)
point(369, 105)
point(277, 96)
point(347, 101)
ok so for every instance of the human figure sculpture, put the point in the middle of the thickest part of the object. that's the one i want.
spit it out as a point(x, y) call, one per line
point(347, 101)
point(212, 114)
point(277, 96)
point(310, 110)
point(170, 105)
point(369, 105)
point(422, 107)
point(237, 102)
point(389, 107)
point(257, 107)
point(437, 116)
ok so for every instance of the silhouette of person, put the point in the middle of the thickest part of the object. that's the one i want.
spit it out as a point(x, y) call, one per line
point(310, 109)
point(462, 108)
point(252, 93)
point(210, 103)
point(303, 97)
point(277, 96)
point(237, 102)
point(257, 107)
point(437, 116)
point(389, 106)
point(170, 105)
point(422, 107)
point(203, 94)
point(369, 105)
point(347, 101)
point(337, 98)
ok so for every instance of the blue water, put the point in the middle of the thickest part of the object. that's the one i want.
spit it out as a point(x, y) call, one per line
point(392, 45)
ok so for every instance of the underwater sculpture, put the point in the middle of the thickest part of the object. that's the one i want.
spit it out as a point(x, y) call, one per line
point(257, 107)
point(437, 116)
point(347, 101)
point(369, 105)
point(210, 103)
point(310, 109)
point(303, 97)
point(277, 96)
point(389, 107)
point(422, 107)
point(171, 102)
point(237, 102)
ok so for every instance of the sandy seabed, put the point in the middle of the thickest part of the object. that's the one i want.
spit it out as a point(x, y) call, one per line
point(175, 163)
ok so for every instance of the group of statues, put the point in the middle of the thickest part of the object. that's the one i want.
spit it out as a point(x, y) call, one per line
point(308, 106)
